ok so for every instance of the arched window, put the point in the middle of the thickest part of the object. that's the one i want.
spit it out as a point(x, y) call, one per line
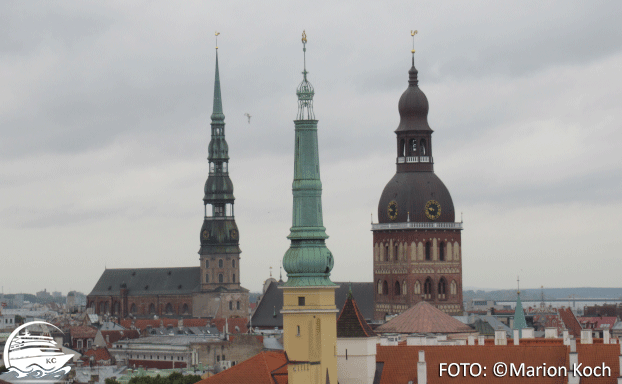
point(107, 307)
point(397, 255)
point(233, 263)
point(428, 251)
point(115, 308)
point(422, 148)
point(237, 305)
point(441, 251)
point(207, 277)
point(101, 308)
point(220, 263)
point(233, 281)
point(231, 305)
point(379, 287)
point(151, 308)
point(185, 309)
point(417, 288)
point(221, 278)
point(427, 289)
point(442, 288)
point(387, 257)
point(206, 263)
point(385, 288)
point(453, 287)
point(169, 308)
point(133, 309)
point(398, 290)
point(401, 150)
point(404, 288)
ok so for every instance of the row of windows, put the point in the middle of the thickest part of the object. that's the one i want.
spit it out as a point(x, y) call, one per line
point(401, 289)
point(221, 263)
point(179, 358)
point(169, 309)
point(221, 278)
point(442, 251)
point(231, 305)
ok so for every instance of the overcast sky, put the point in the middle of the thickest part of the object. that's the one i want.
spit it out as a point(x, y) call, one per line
point(104, 126)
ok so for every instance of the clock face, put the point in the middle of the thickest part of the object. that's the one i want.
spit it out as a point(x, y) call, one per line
point(205, 234)
point(432, 209)
point(392, 210)
point(234, 234)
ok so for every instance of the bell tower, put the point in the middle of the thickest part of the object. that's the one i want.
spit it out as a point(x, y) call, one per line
point(417, 243)
point(309, 311)
point(220, 250)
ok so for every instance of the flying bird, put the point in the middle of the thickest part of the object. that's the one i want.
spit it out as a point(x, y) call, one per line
point(249, 117)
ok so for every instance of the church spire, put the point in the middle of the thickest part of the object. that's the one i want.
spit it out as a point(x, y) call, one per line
point(307, 262)
point(217, 114)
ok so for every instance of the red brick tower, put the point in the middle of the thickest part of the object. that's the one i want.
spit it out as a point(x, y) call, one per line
point(417, 245)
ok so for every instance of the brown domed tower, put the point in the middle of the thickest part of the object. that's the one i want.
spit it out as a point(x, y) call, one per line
point(417, 245)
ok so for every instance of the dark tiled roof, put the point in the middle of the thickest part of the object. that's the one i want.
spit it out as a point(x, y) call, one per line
point(149, 281)
point(114, 336)
point(272, 302)
point(351, 323)
point(424, 318)
point(82, 332)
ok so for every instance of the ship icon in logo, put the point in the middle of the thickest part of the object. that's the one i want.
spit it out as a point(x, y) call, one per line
point(35, 356)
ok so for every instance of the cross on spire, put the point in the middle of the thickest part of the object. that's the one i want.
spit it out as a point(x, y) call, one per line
point(218, 33)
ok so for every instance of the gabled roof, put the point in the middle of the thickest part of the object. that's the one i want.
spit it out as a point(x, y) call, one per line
point(424, 318)
point(82, 332)
point(600, 322)
point(114, 336)
point(268, 312)
point(351, 322)
point(99, 353)
point(263, 368)
point(149, 281)
point(570, 321)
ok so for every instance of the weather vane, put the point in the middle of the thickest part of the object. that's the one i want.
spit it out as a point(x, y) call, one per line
point(218, 33)
point(304, 51)
point(413, 33)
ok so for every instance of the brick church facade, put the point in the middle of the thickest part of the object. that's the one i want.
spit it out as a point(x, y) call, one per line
point(416, 242)
point(212, 288)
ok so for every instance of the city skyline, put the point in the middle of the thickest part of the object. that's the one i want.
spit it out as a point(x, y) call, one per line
point(105, 126)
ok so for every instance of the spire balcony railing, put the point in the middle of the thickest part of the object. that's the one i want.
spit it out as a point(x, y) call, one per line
point(415, 225)
point(400, 160)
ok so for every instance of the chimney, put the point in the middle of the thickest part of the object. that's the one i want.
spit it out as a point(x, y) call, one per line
point(471, 340)
point(586, 336)
point(550, 333)
point(606, 338)
point(108, 339)
point(500, 338)
point(528, 333)
point(516, 336)
point(481, 340)
point(566, 337)
point(422, 371)
point(573, 360)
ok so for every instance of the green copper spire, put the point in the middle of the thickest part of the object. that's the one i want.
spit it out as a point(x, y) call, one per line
point(519, 316)
point(307, 261)
point(217, 115)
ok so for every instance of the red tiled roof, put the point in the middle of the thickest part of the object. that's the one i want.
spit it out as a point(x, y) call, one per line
point(99, 353)
point(606, 322)
point(424, 318)
point(233, 322)
point(82, 332)
point(592, 355)
point(144, 323)
point(570, 321)
point(351, 322)
point(263, 368)
point(114, 336)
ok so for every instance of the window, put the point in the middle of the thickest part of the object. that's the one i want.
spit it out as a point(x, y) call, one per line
point(233, 263)
point(385, 288)
point(386, 253)
point(233, 281)
point(401, 149)
point(427, 289)
point(413, 146)
point(186, 310)
point(442, 287)
point(301, 301)
point(428, 251)
point(441, 251)
point(231, 305)
point(397, 288)
point(396, 254)
point(220, 278)
point(79, 344)
point(298, 329)
point(219, 210)
point(206, 263)
point(379, 287)
point(169, 308)
point(133, 309)
point(207, 278)
point(423, 150)
point(151, 308)
point(220, 263)
point(218, 358)
point(238, 305)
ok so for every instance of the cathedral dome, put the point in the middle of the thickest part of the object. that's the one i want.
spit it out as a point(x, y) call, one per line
point(413, 106)
point(411, 192)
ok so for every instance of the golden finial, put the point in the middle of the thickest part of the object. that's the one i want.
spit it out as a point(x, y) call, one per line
point(217, 33)
point(304, 37)
point(413, 33)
